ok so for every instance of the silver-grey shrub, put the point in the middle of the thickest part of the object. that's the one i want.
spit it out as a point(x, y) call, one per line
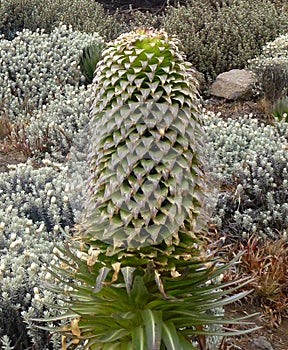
point(35, 67)
point(41, 89)
point(221, 35)
point(271, 67)
point(252, 165)
point(35, 213)
point(83, 15)
point(56, 125)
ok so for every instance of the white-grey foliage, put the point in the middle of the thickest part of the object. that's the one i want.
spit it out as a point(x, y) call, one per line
point(41, 91)
point(230, 32)
point(84, 15)
point(6, 343)
point(275, 51)
point(36, 67)
point(271, 68)
point(55, 127)
point(35, 213)
point(252, 163)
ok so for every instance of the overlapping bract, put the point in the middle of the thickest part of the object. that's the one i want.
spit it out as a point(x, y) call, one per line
point(147, 176)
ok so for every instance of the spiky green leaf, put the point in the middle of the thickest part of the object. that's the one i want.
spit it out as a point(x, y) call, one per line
point(153, 328)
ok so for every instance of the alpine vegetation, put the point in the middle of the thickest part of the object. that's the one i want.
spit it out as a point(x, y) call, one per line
point(221, 35)
point(42, 88)
point(136, 274)
point(252, 166)
point(56, 127)
point(36, 66)
point(85, 16)
point(271, 68)
point(34, 207)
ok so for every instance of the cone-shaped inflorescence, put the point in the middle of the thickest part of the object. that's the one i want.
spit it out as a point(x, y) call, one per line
point(146, 160)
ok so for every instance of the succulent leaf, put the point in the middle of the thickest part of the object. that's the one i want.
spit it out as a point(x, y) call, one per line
point(90, 56)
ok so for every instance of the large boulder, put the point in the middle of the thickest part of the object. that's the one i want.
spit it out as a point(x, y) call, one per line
point(236, 84)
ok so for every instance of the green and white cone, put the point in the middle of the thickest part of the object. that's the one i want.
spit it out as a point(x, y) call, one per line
point(145, 157)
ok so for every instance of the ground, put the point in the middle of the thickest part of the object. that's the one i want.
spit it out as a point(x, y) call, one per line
point(277, 337)
point(122, 5)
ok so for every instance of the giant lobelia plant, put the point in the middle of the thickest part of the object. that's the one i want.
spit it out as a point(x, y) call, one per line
point(136, 275)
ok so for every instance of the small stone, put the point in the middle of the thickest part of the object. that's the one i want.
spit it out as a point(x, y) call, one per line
point(237, 84)
point(262, 343)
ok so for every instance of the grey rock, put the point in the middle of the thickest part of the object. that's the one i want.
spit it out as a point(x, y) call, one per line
point(262, 343)
point(236, 84)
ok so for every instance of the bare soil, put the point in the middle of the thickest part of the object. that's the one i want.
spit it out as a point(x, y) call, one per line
point(9, 156)
point(276, 336)
point(124, 5)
